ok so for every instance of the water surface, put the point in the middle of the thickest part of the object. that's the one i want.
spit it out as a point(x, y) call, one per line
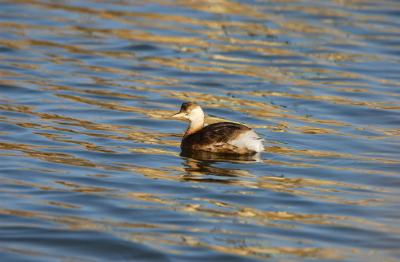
point(90, 165)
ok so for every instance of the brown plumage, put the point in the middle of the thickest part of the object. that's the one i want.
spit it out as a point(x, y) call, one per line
point(215, 138)
point(223, 137)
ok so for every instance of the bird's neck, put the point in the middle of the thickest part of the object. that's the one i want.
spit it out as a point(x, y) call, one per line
point(195, 125)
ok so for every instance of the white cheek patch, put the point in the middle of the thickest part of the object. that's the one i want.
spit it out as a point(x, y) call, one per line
point(196, 114)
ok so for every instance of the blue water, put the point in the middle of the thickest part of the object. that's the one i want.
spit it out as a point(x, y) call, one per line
point(90, 165)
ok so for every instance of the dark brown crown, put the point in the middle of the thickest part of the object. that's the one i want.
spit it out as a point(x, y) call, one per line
point(188, 106)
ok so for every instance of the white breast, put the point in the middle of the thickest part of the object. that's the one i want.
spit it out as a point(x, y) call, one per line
point(249, 140)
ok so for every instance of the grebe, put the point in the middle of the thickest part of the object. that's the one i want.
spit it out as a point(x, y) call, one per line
point(223, 137)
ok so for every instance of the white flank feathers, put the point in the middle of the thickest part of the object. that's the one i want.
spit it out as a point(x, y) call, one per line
point(249, 140)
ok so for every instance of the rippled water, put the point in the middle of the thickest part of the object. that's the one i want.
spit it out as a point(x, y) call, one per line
point(89, 161)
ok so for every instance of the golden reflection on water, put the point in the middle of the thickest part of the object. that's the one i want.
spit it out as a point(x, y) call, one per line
point(333, 99)
point(148, 138)
point(170, 240)
point(254, 48)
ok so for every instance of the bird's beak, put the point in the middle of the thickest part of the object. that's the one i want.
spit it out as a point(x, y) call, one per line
point(179, 115)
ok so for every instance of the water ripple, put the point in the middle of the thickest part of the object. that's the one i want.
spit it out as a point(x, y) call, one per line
point(90, 165)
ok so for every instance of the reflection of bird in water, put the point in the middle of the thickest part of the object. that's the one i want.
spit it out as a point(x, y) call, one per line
point(204, 171)
point(222, 138)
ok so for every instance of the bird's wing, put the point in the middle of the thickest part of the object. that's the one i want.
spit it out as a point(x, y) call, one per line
point(221, 132)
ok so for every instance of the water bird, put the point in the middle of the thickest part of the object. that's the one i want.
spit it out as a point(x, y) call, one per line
point(221, 138)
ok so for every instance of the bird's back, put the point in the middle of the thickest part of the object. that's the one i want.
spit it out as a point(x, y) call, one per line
point(223, 137)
